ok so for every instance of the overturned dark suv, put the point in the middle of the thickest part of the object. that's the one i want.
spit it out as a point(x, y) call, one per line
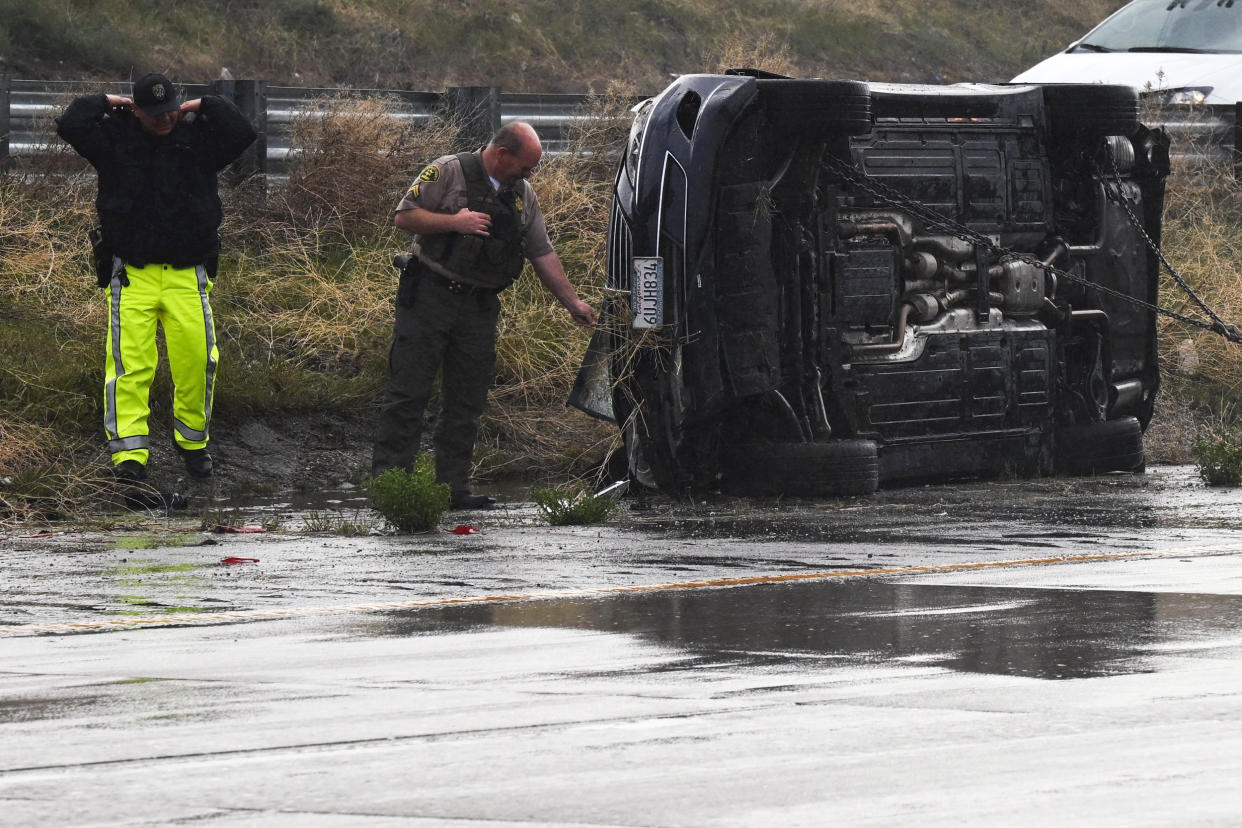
point(817, 287)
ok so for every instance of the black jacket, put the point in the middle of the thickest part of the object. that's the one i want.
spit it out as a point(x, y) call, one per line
point(158, 200)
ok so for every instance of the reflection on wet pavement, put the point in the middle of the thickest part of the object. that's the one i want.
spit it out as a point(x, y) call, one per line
point(962, 513)
point(1036, 633)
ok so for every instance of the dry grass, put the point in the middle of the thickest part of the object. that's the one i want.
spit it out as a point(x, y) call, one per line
point(45, 264)
point(766, 53)
point(46, 209)
point(1202, 239)
point(40, 476)
point(348, 156)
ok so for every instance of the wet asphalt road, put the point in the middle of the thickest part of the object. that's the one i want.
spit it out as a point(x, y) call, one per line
point(987, 653)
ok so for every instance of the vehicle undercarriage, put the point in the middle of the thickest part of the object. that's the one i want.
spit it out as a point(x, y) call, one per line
point(818, 287)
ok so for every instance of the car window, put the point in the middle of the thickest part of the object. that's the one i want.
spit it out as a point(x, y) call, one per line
point(1170, 25)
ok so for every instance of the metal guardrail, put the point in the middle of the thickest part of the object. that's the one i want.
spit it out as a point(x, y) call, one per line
point(32, 107)
point(285, 104)
point(1201, 135)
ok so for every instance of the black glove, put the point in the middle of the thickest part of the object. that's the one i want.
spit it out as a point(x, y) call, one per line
point(101, 254)
point(103, 274)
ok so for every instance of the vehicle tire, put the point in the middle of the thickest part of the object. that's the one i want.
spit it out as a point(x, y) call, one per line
point(825, 105)
point(649, 395)
point(635, 457)
point(1097, 448)
point(837, 467)
point(1088, 110)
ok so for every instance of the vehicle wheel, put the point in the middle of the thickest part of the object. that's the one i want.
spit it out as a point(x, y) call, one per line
point(837, 467)
point(1077, 110)
point(831, 105)
point(636, 457)
point(1096, 448)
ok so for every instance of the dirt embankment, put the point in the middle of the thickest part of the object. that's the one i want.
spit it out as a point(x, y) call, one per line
point(262, 455)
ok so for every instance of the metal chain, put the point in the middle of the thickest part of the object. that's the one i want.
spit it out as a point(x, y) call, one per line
point(931, 218)
point(1219, 325)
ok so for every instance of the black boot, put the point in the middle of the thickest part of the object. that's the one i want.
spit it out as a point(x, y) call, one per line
point(136, 494)
point(130, 471)
point(462, 499)
point(197, 461)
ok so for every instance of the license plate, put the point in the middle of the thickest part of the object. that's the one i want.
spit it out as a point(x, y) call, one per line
point(647, 291)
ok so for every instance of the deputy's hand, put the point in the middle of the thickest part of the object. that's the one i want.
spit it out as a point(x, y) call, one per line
point(192, 106)
point(583, 314)
point(120, 102)
point(470, 223)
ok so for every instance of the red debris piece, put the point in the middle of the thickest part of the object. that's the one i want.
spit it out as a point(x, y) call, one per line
point(465, 530)
point(240, 530)
point(236, 561)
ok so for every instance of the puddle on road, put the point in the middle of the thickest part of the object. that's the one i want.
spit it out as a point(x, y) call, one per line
point(894, 517)
point(1008, 512)
point(298, 510)
point(1037, 633)
point(256, 506)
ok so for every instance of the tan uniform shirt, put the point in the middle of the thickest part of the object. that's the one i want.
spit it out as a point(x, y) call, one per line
point(441, 188)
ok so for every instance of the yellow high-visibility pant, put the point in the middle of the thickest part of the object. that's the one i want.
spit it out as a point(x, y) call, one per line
point(177, 299)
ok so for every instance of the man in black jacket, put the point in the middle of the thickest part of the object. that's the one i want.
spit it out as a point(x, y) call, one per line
point(159, 213)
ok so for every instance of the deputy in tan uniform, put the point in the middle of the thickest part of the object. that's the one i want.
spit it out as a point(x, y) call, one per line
point(475, 222)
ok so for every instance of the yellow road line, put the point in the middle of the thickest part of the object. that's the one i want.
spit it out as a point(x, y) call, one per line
point(209, 618)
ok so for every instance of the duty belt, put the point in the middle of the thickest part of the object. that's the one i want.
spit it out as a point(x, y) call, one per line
point(460, 288)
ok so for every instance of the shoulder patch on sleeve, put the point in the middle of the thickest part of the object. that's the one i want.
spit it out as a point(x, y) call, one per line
point(430, 173)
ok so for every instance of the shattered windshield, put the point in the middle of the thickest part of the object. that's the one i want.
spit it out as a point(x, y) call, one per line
point(1169, 26)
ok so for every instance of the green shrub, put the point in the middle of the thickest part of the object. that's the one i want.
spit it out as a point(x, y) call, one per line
point(1218, 456)
point(573, 507)
point(410, 501)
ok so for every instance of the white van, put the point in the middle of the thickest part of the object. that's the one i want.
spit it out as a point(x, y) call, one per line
point(1182, 51)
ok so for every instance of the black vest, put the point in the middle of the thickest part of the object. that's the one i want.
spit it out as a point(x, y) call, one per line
point(493, 261)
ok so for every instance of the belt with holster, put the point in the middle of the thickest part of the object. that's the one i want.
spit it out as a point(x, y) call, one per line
point(407, 264)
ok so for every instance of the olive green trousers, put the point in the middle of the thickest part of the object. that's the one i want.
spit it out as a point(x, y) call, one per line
point(453, 334)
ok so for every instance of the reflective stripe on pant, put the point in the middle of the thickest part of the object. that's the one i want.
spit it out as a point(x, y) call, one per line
point(177, 299)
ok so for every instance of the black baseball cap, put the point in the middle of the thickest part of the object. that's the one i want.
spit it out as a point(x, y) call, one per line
point(155, 94)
